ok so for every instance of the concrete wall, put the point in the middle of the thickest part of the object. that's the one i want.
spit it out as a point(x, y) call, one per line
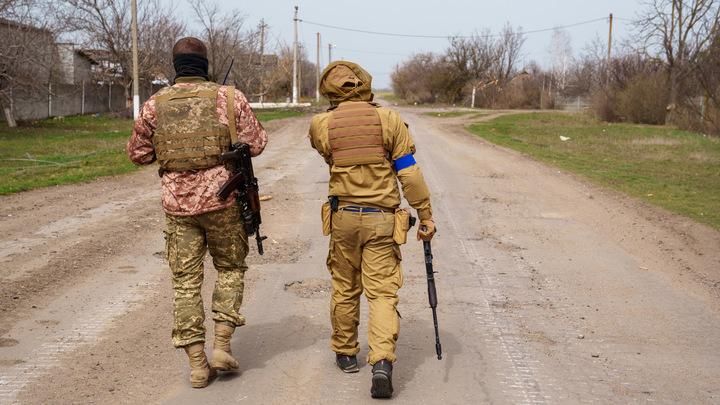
point(72, 99)
point(572, 103)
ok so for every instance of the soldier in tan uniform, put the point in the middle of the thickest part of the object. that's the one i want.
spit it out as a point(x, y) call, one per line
point(185, 128)
point(368, 149)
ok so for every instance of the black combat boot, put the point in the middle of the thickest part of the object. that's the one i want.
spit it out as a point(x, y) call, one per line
point(347, 364)
point(382, 380)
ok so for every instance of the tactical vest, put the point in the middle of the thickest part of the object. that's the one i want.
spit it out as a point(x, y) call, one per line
point(189, 135)
point(355, 134)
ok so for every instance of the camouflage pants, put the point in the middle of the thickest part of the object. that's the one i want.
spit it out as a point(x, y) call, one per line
point(364, 258)
point(188, 238)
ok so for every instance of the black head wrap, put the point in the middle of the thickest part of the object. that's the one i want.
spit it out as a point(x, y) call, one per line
point(190, 64)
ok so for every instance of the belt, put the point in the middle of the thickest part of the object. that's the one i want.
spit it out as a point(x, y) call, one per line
point(352, 208)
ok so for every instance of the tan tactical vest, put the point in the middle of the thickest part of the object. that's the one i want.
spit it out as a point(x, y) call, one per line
point(355, 134)
point(189, 135)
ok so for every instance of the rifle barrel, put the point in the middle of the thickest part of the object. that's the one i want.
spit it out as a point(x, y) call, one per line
point(432, 294)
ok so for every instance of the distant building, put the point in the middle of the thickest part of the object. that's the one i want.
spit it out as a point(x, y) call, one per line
point(27, 52)
point(106, 68)
point(76, 65)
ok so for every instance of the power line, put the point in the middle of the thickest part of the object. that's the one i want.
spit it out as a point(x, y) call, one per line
point(372, 32)
point(565, 26)
point(374, 53)
point(449, 36)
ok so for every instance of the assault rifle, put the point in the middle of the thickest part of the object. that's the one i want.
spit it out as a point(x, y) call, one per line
point(432, 294)
point(248, 198)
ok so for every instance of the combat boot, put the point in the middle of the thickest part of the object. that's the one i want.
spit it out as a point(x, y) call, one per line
point(222, 358)
point(200, 373)
point(347, 364)
point(382, 380)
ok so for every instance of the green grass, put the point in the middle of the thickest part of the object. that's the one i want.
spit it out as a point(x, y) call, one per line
point(61, 151)
point(80, 148)
point(677, 170)
point(390, 97)
point(453, 114)
point(269, 114)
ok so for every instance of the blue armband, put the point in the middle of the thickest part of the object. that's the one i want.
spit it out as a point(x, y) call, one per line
point(404, 162)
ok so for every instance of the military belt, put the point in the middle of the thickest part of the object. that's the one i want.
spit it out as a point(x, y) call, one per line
point(352, 208)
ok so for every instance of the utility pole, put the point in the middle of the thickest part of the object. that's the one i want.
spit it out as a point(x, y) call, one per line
point(136, 87)
point(607, 78)
point(262, 50)
point(329, 53)
point(300, 53)
point(317, 71)
point(295, 51)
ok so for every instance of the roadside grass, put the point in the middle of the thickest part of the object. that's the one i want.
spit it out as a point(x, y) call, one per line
point(454, 114)
point(677, 170)
point(269, 114)
point(391, 97)
point(66, 150)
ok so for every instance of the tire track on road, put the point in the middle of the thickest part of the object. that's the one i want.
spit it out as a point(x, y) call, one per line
point(500, 333)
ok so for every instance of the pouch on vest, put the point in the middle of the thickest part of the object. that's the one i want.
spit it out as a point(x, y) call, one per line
point(326, 214)
point(402, 225)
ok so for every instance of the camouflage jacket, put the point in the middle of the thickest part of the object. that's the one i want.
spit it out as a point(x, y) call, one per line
point(193, 192)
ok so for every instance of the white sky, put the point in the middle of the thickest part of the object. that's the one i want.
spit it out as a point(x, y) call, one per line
point(379, 54)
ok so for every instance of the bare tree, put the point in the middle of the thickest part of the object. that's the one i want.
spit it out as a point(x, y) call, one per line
point(155, 49)
point(417, 78)
point(708, 76)
point(508, 51)
point(228, 42)
point(561, 57)
point(28, 56)
point(105, 25)
point(673, 33)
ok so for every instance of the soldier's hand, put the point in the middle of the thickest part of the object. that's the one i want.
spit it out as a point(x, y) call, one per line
point(426, 230)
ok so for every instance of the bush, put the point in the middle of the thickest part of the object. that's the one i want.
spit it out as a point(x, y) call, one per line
point(522, 92)
point(643, 101)
point(601, 106)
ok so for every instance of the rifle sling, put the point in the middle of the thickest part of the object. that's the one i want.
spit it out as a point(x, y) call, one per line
point(231, 114)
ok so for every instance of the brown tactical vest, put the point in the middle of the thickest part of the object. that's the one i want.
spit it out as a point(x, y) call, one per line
point(355, 134)
point(189, 135)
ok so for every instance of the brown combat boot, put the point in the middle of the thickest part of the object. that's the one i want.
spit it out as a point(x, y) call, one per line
point(200, 373)
point(222, 358)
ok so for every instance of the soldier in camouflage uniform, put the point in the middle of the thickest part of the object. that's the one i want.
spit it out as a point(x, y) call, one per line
point(368, 149)
point(185, 128)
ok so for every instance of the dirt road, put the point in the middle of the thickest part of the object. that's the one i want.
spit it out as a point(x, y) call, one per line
point(551, 291)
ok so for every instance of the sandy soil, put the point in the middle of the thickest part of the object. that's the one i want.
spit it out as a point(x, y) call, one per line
point(551, 290)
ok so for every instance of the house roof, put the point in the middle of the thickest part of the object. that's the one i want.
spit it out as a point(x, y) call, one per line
point(5, 21)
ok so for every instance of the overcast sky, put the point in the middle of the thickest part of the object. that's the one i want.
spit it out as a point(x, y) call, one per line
point(358, 31)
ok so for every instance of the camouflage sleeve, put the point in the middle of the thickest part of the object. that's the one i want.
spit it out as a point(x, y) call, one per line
point(249, 129)
point(140, 147)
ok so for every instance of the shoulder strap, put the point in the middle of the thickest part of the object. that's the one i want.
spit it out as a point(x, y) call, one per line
point(231, 113)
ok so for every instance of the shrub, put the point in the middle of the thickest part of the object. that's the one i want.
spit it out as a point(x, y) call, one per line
point(643, 101)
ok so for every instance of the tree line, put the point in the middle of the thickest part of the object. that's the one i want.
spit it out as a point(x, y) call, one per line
point(666, 72)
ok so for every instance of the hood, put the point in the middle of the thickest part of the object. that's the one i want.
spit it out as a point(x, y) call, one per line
point(345, 81)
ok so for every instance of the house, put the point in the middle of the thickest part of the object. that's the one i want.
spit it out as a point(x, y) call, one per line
point(76, 65)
